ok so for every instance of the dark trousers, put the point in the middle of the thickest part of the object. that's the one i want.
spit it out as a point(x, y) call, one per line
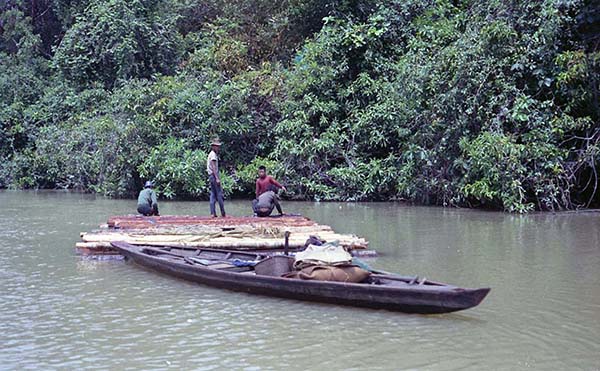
point(147, 210)
point(216, 195)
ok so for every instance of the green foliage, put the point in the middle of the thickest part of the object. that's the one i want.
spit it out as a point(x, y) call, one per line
point(96, 155)
point(246, 174)
point(483, 104)
point(431, 102)
point(175, 169)
point(116, 39)
point(496, 165)
point(22, 80)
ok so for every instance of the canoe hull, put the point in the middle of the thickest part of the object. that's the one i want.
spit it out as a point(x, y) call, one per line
point(417, 299)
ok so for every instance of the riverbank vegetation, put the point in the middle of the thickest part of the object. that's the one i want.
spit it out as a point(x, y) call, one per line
point(488, 103)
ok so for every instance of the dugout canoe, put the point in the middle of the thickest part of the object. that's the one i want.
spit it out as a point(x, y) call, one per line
point(382, 291)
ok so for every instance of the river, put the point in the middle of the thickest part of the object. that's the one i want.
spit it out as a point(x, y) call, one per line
point(58, 311)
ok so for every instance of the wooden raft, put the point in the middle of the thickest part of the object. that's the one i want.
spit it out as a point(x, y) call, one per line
point(239, 233)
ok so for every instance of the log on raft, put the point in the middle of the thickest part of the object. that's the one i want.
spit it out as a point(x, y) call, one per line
point(138, 222)
point(240, 233)
point(222, 240)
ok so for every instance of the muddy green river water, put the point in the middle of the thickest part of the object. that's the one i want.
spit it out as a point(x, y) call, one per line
point(58, 311)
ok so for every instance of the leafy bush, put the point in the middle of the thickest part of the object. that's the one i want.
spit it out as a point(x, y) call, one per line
point(176, 170)
point(482, 104)
point(459, 107)
point(116, 39)
point(246, 174)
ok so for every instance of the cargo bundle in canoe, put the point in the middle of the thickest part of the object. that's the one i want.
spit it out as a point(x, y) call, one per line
point(218, 268)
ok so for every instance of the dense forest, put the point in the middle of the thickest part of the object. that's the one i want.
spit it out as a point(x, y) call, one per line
point(488, 103)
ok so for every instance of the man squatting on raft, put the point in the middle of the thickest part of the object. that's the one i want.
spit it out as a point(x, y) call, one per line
point(147, 204)
point(266, 198)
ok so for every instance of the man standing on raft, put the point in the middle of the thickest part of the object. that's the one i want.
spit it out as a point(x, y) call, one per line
point(212, 167)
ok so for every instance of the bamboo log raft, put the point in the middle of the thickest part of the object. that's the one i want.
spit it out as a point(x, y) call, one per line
point(239, 233)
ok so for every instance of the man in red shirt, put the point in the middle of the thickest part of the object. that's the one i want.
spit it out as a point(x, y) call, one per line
point(266, 196)
point(264, 182)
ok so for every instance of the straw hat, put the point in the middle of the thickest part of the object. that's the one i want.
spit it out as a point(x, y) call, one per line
point(215, 142)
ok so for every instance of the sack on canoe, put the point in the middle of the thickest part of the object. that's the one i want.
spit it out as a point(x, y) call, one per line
point(327, 254)
point(344, 273)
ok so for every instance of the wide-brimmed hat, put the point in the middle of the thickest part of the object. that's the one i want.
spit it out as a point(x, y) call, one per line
point(215, 142)
point(149, 184)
